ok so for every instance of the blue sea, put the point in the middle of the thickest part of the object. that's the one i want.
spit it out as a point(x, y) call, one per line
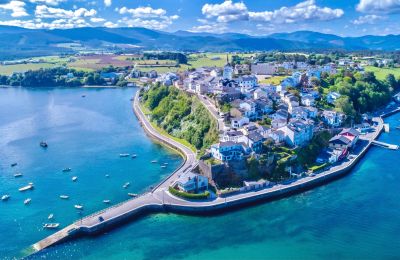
point(356, 217)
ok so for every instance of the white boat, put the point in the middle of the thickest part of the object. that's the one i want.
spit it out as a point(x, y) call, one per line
point(5, 197)
point(51, 225)
point(123, 154)
point(27, 201)
point(163, 166)
point(51, 216)
point(154, 161)
point(67, 170)
point(134, 155)
point(18, 175)
point(74, 178)
point(165, 163)
point(132, 195)
point(27, 187)
point(107, 201)
point(107, 176)
point(77, 206)
point(64, 197)
point(126, 185)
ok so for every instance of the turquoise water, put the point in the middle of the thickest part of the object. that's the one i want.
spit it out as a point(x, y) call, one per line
point(356, 217)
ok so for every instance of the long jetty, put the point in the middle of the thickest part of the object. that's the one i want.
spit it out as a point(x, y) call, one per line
point(160, 200)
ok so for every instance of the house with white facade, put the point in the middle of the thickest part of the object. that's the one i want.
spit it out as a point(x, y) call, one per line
point(191, 182)
point(298, 132)
point(227, 151)
point(239, 122)
point(332, 97)
point(332, 118)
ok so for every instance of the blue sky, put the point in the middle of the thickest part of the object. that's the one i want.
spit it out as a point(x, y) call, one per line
point(255, 17)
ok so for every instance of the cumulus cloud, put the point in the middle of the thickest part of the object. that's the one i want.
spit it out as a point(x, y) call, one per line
point(367, 19)
point(47, 2)
point(97, 20)
point(143, 12)
point(43, 11)
point(107, 3)
point(17, 8)
point(110, 24)
point(226, 11)
point(39, 24)
point(304, 11)
point(211, 28)
point(379, 6)
point(147, 17)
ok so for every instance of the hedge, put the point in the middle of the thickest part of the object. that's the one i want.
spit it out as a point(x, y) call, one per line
point(187, 195)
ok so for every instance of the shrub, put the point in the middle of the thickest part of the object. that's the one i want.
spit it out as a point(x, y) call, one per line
point(186, 195)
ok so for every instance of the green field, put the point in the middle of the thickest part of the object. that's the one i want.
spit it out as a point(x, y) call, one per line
point(274, 80)
point(10, 69)
point(381, 73)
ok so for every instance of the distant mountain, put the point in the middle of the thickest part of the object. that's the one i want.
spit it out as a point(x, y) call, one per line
point(20, 42)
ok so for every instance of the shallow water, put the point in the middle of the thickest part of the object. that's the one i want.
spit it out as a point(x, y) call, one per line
point(354, 217)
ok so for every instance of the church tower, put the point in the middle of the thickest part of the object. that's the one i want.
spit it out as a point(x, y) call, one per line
point(228, 70)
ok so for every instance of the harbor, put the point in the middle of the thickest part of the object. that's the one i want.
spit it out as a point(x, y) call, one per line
point(159, 199)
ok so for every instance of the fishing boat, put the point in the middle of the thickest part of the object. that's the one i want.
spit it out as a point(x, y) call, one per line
point(5, 197)
point(43, 144)
point(126, 185)
point(154, 161)
point(51, 225)
point(17, 175)
point(74, 178)
point(67, 170)
point(78, 206)
point(14, 164)
point(107, 201)
point(132, 195)
point(51, 216)
point(134, 156)
point(27, 187)
point(123, 154)
point(64, 197)
point(27, 201)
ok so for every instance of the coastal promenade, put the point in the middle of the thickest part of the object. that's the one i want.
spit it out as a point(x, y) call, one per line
point(160, 200)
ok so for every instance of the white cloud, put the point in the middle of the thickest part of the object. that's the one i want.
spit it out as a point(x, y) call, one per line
point(226, 11)
point(107, 3)
point(47, 2)
point(17, 8)
point(367, 19)
point(143, 12)
point(110, 24)
point(379, 6)
point(146, 17)
point(97, 20)
point(210, 28)
point(304, 11)
point(39, 24)
point(43, 11)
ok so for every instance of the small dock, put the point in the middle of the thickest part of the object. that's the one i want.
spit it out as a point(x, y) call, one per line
point(385, 145)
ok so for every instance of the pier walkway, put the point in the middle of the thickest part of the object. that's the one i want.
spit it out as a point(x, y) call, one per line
point(160, 200)
point(385, 145)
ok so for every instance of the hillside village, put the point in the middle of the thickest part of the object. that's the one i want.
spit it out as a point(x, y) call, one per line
point(269, 133)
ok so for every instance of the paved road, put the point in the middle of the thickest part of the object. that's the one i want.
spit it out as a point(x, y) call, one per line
point(213, 111)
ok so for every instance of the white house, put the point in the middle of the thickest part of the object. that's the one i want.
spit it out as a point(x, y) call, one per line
point(239, 122)
point(227, 151)
point(191, 182)
point(308, 100)
point(332, 97)
point(247, 83)
point(298, 132)
point(332, 118)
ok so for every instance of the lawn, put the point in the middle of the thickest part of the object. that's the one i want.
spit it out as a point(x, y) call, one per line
point(10, 69)
point(274, 80)
point(381, 73)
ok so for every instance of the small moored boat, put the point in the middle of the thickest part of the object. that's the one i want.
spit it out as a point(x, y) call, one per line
point(51, 225)
point(126, 185)
point(5, 197)
point(27, 201)
point(43, 144)
point(123, 154)
point(107, 176)
point(154, 161)
point(78, 206)
point(163, 166)
point(27, 187)
point(134, 156)
point(64, 197)
point(132, 195)
point(17, 175)
point(107, 201)
point(51, 216)
point(67, 170)
point(14, 164)
point(74, 178)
